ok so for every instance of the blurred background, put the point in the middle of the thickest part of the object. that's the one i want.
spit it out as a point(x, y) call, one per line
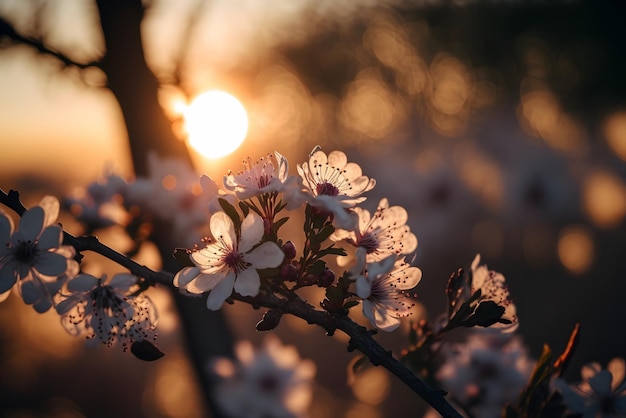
point(499, 125)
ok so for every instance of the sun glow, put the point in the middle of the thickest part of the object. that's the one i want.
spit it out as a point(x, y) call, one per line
point(216, 123)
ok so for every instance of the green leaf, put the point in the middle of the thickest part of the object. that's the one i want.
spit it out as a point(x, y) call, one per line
point(316, 268)
point(232, 214)
point(332, 250)
point(280, 222)
point(245, 209)
point(324, 233)
point(350, 304)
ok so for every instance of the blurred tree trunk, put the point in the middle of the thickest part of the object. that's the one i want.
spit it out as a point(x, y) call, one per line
point(135, 88)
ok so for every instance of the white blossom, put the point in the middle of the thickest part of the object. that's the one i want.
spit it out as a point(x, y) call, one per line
point(273, 382)
point(231, 261)
point(33, 255)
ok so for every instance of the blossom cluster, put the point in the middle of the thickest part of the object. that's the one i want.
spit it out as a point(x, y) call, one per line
point(45, 273)
point(235, 252)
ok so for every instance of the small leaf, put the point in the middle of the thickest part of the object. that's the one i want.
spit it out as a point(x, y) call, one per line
point(182, 256)
point(350, 304)
point(245, 209)
point(231, 212)
point(324, 233)
point(146, 351)
point(280, 222)
point(563, 360)
point(316, 268)
point(486, 314)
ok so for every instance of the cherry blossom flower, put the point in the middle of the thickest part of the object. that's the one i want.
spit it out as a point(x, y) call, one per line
point(485, 373)
point(381, 235)
point(480, 298)
point(273, 382)
point(382, 287)
point(101, 204)
point(33, 255)
point(264, 176)
point(231, 261)
point(105, 310)
point(333, 184)
point(172, 193)
point(601, 394)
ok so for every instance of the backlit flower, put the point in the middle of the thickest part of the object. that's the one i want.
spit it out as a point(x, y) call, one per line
point(264, 176)
point(382, 287)
point(480, 298)
point(230, 262)
point(485, 373)
point(106, 311)
point(333, 184)
point(381, 235)
point(601, 394)
point(33, 255)
point(273, 382)
point(172, 193)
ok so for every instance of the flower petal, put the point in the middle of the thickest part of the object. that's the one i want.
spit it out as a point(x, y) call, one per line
point(220, 293)
point(82, 283)
point(50, 264)
point(222, 228)
point(204, 282)
point(363, 287)
point(248, 282)
point(30, 292)
point(31, 223)
point(51, 237)
point(251, 232)
point(185, 275)
point(617, 366)
point(123, 281)
point(4, 296)
point(265, 255)
point(66, 305)
point(50, 206)
point(8, 277)
point(6, 228)
point(601, 383)
point(43, 304)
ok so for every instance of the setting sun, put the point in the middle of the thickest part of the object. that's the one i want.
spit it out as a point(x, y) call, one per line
point(216, 123)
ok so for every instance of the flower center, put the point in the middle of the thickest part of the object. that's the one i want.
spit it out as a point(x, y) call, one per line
point(607, 405)
point(369, 242)
point(263, 181)
point(25, 251)
point(268, 383)
point(327, 189)
point(234, 260)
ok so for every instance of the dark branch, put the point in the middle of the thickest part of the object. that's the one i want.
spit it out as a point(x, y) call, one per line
point(7, 31)
point(360, 338)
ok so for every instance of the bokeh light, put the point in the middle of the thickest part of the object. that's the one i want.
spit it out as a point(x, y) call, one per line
point(576, 249)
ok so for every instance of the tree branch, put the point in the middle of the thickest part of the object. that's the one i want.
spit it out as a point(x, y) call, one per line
point(8, 31)
point(360, 338)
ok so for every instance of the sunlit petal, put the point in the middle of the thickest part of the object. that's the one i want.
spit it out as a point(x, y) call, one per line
point(265, 255)
point(248, 283)
point(221, 292)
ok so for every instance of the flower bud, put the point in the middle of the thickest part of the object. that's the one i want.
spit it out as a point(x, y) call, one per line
point(326, 278)
point(289, 272)
point(290, 250)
